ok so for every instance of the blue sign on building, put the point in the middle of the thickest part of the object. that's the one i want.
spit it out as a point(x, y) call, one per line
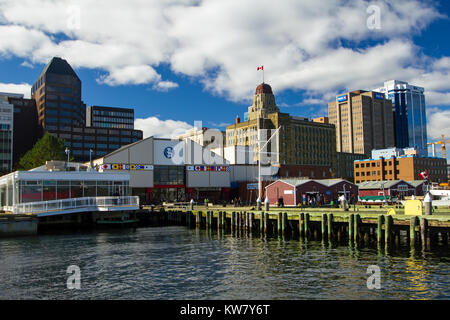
point(379, 95)
point(342, 98)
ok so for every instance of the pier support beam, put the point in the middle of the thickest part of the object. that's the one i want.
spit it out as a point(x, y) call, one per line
point(424, 232)
point(323, 225)
point(306, 225)
point(284, 223)
point(380, 228)
point(412, 230)
point(351, 218)
point(330, 219)
point(357, 225)
point(388, 229)
point(198, 219)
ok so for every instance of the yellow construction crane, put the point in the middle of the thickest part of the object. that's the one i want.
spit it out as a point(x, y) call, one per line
point(442, 142)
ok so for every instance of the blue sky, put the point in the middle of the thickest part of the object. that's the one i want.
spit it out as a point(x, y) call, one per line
point(176, 62)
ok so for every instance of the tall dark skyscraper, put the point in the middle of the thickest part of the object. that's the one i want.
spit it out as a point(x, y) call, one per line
point(57, 93)
point(61, 112)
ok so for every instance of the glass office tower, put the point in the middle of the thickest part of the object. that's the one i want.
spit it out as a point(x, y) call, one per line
point(409, 109)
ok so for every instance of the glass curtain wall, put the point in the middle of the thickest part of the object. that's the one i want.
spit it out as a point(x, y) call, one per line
point(46, 190)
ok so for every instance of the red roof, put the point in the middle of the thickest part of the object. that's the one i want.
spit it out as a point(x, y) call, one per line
point(263, 88)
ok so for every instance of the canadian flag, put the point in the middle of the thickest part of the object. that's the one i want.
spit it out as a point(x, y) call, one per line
point(260, 68)
point(424, 175)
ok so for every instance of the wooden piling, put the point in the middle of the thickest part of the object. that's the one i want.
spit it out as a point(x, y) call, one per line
point(412, 230)
point(351, 218)
point(233, 221)
point(388, 229)
point(380, 228)
point(357, 226)
point(330, 219)
point(252, 219)
point(284, 223)
point(423, 232)
point(279, 222)
point(323, 225)
point(198, 219)
point(306, 225)
point(301, 224)
point(266, 222)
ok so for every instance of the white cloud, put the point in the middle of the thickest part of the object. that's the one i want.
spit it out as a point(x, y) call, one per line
point(22, 88)
point(153, 126)
point(220, 43)
point(164, 86)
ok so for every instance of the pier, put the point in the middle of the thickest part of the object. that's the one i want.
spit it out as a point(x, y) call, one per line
point(18, 225)
point(356, 228)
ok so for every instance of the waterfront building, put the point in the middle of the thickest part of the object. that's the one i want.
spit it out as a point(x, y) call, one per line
point(58, 180)
point(6, 133)
point(378, 191)
point(363, 121)
point(405, 168)
point(300, 144)
point(61, 112)
point(165, 170)
point(409, 114)
point(110, 117)
point(295, 192)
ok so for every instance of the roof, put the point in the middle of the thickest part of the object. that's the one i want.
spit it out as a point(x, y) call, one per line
point(416, 183)
point(297, 182)
point(379, 184)
point(59, 66)
point(263, 88)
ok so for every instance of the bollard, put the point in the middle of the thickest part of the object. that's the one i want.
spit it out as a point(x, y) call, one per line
point(266, 204)
point(427, 201)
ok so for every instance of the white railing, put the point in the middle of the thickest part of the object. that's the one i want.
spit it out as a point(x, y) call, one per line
point(75, 203)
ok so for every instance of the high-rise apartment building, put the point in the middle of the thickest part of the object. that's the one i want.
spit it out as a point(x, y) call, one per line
point(409, 112)
point(6, 133)
point(363, 121)
point(61, 112)
point(26, 129)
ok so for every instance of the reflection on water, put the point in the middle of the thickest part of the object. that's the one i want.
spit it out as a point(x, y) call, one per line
point(178, 263)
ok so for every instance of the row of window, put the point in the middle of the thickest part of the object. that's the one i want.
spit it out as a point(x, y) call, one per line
point(113, 113)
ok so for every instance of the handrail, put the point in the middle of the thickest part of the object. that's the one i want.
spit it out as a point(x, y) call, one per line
point(73, 203)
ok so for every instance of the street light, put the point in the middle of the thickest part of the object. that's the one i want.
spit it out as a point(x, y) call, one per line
point(90, 157)
point(68, 154)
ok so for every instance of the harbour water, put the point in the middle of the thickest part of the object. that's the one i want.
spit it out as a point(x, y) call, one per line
point(180, 263)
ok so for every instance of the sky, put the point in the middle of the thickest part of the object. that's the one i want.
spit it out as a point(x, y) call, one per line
point(180, 61)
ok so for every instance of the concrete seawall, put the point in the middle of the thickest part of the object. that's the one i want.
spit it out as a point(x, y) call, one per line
point(18, 225)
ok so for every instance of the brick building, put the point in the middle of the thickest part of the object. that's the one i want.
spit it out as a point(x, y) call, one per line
point(405, 168)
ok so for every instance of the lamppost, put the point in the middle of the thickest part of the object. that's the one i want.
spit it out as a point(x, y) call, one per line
point(68, 154)
point(90, 157)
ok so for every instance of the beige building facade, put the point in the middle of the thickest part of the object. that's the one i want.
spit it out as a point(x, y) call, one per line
point(363, 121)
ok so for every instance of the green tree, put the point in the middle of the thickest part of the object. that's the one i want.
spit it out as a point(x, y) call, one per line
point(47, 148)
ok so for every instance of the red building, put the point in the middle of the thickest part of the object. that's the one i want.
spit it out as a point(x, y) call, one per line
point(377, 190)
point(309, 191)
